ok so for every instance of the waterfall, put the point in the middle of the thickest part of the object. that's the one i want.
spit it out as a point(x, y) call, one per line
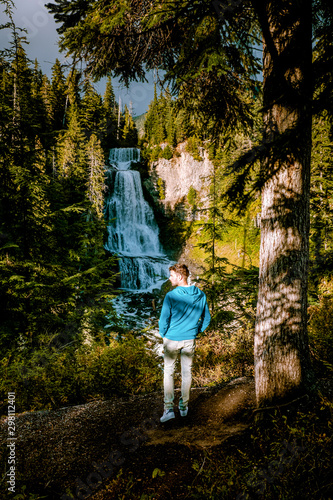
point(132, 230)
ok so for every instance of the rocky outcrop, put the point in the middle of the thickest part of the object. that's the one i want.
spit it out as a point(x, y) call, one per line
point(174, 178)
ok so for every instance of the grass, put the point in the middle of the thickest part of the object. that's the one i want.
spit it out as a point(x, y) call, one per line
point(230, 247)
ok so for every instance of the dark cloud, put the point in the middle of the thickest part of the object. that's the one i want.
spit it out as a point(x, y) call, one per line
point(41, 33)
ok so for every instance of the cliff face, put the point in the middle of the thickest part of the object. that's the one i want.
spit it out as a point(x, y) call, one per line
point(174, 178)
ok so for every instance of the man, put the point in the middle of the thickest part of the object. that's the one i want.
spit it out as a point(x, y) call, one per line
point(184, 314)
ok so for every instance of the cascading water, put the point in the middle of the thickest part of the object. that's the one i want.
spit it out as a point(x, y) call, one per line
point(132, 230)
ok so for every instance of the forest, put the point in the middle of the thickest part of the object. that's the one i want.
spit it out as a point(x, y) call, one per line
point(248, 84)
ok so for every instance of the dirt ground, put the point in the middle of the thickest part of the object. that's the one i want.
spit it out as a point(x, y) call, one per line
point(119, 449)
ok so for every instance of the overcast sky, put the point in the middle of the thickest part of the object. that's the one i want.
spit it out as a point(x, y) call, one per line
point(42, 37)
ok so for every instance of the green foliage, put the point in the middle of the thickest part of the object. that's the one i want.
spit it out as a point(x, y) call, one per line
point(321, 233)
point(129, 132)
point(165, 123)
point(190, 43)
point(155, 132)
point(288, 457)
point(155, 153)
point(160, 185)
point(111, 110)
point(232, 295)
point(167, 152)
point(192, 147)
point(192, 196)
point(157, 473)
point(96, 183)
point(55, 97)
point(321, 329)
point(51, 377)
point(176, 233)
point(54, 273)
point(25, 495)
point(91, 111)
point(71, 152)
point(222, 355)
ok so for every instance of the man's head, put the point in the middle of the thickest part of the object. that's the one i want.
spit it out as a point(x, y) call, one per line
point(179, 274)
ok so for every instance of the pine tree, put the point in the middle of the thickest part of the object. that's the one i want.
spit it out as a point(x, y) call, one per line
point(96, 168)
point(73, 92)
point(45, 96)
point(22, 98)
point(212, 225)
point(91, 111)
point(72, 156)
point(129, 132)
point(109, 100)
point(41, 122)
point(150, 119)
point(110, 116)
point(159, 121)
point(37, 206)
point(57, 96)
point(282, 362)
point(182, 126)
point(170, 120)
point(53, 270)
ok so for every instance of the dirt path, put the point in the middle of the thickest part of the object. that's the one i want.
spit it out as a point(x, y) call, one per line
point(212, 419)
point(90, 451)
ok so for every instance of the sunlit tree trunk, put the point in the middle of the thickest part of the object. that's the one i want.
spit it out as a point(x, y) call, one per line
point(281, 348)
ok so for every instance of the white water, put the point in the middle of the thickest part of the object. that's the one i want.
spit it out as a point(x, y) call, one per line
point(132, 231)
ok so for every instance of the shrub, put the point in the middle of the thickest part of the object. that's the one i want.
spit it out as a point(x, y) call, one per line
point(161, 190)
point(156, 153)
point(51, 379)
point(167, 152)
point(192, 196)
point(220, 358)
point(321, 333)
point(192, 147)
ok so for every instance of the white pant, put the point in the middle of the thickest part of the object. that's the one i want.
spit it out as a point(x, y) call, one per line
point(186, 349)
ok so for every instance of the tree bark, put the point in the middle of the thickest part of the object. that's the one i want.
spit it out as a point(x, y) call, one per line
point(282, 368)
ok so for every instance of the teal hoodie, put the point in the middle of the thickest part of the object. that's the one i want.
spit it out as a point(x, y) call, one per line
point(184, 313)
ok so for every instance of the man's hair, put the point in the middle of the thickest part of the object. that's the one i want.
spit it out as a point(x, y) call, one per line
point(180, 269)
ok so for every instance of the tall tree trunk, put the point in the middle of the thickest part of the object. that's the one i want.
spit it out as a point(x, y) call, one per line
point(282, 369)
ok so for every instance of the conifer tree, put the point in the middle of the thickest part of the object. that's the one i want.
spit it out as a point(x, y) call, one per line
point(212, 225)
point(22, 98)
point(109, 100)
point(150, 119)
point(71, 158)
point(52, 260)
point(170, 120)
point(91, 111)
point(129, 131)
point(159, 120)
point(110, 116)
point(37, 206)
point(45, 96)
point(182, 125)
point(41, 123)
point(96, 169)
point(73, 93)
point(57, 96)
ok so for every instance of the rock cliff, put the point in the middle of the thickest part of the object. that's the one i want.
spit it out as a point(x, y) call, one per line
point(174, 179)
